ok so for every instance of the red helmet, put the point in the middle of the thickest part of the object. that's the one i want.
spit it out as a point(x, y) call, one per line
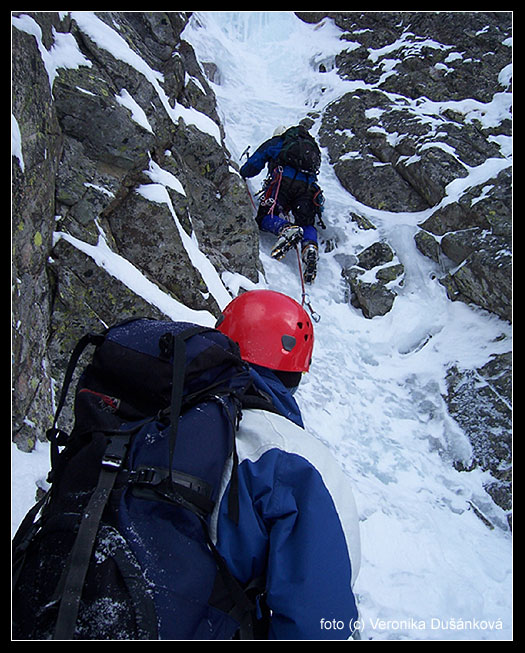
point(271, 329)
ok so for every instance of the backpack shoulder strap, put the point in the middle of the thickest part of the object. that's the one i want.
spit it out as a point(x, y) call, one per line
point(177, 386)
point(74, 574)
point(54, 434)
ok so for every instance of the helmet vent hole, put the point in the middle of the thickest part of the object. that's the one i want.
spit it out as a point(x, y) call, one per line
point(288, 342)
point(300, 325)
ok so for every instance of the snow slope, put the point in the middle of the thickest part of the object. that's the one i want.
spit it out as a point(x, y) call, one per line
point(431, 569)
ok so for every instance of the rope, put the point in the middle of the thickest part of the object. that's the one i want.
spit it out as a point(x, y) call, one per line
point(250, 195)
point(301, 274)
point(305, 299)
point(246, 153)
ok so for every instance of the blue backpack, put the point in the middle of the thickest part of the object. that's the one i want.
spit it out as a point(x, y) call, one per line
point(119, 548)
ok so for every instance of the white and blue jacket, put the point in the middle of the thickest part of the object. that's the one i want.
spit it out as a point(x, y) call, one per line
point(298, 524)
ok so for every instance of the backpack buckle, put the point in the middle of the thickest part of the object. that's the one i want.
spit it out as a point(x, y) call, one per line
point(147, 475)
point(111, 462)
point(115, 452)
point(57, 436)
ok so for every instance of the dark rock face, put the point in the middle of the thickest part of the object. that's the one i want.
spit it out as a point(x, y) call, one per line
point(373, 297)
point(32, 227)
point(391, 155)
point(93, 134)
point(481, 402)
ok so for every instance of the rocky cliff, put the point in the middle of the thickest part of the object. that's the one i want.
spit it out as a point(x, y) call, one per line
point(105, 103)
point(94, 126)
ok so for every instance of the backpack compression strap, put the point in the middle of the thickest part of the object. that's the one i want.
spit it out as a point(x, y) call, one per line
point(243, 609)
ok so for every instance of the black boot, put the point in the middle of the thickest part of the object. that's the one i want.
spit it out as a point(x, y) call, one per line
point(309, 256)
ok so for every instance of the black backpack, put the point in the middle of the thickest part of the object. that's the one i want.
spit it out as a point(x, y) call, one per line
point(119, 548)
point(300, 151)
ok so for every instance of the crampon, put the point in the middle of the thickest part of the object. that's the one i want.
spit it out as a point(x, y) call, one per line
point(288, 239)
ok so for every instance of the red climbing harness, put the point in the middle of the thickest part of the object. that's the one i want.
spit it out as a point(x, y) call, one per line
point(272, 192)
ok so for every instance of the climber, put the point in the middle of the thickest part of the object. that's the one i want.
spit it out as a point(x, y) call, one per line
point(293, 159)
point(280, 549)
point(298, 530)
